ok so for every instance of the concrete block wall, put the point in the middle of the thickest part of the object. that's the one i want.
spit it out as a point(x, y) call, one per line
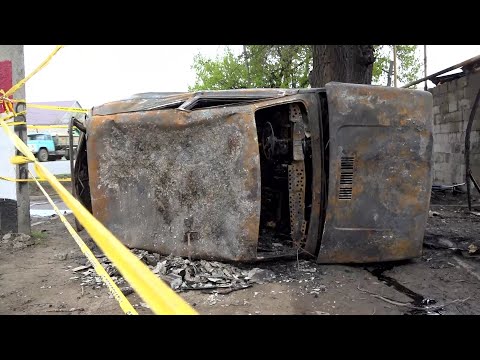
point(452, 104)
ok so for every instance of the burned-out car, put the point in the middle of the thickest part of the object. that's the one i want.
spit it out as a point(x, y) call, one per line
point(340, 174)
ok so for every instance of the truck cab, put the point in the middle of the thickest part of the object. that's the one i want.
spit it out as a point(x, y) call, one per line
point(42, 145)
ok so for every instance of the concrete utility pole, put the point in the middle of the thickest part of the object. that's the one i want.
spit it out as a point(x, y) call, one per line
point(14, 196)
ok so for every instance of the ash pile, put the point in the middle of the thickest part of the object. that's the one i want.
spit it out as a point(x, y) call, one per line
point(181, 274)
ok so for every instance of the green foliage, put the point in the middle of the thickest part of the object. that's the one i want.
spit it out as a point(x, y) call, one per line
point(279, 66)
point(225, 72)
point(260, 66)
point(287, 66)
point(408, 63)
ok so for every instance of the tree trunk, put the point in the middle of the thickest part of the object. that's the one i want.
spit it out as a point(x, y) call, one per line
point(343, 63)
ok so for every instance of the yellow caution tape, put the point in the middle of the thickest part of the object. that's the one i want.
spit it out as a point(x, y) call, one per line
point(6, 102)
point(13, 123)
point(160, 297)
point(47, 126)
point(58, 108)
point(38, 126)
point(19, 160)
point(13, 115)
point(40, 67)
point(48, 107)
point(97, 266)
point(6, 178)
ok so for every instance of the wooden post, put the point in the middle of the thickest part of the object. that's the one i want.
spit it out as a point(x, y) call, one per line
point(248, 65)
point(389, 76)
point(425, 65)
point(395, 65)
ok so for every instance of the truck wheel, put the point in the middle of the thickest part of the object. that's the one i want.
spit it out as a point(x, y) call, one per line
point(67, 154)
point(42, 155)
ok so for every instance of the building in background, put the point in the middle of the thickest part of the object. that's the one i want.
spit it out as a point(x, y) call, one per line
point(37, 116)
point(453, 98)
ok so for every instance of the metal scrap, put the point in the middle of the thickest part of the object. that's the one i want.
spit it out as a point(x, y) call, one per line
point(184, 274)
point(78, 268)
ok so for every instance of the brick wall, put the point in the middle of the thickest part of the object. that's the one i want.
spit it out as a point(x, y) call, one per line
point(452, 103)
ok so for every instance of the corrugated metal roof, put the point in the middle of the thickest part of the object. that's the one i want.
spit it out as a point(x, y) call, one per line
point(51, 117)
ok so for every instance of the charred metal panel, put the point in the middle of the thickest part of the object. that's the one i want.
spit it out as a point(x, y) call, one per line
point(296, 177)
point(380, 173)
point(80, 182)
point(179, 182)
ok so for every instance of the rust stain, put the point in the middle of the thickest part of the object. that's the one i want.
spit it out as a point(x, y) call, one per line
point(403, 248)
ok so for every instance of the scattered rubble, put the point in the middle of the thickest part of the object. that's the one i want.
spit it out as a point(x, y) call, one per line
point(472, 249)
point(260, 275)
point(316, 291)
point(61, 256)
point(184, 274)
point(78, 268)
point(126, 290)
point(209, 277)
point(144, 305)
point(65, 310)
point(16, 241)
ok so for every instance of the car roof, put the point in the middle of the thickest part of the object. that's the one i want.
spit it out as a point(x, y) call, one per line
point(181, 100)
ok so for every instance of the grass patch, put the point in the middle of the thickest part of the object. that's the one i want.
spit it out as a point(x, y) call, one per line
point(39, 234)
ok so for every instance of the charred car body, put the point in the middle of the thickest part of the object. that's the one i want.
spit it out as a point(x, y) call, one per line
point(342, 174)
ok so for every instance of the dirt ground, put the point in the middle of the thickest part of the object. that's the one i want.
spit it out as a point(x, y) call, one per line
point(38, 279)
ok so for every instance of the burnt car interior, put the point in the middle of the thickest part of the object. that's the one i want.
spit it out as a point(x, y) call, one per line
point(285, 182)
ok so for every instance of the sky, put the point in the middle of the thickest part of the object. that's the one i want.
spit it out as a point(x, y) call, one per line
point(96, 74)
